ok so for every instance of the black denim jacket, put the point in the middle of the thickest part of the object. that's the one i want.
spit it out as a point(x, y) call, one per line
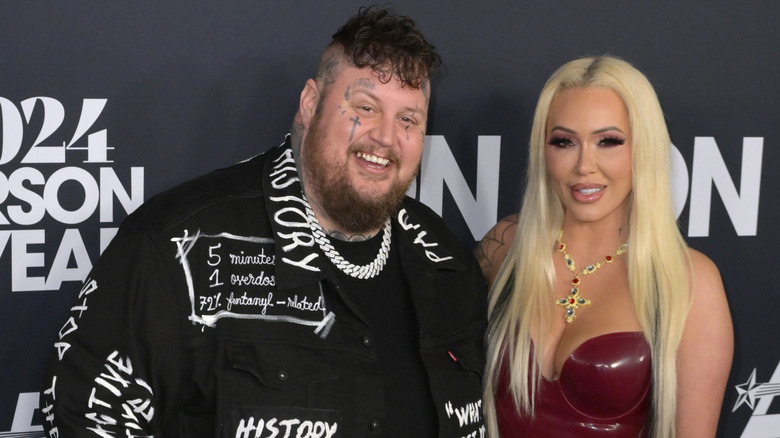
point(213, 313)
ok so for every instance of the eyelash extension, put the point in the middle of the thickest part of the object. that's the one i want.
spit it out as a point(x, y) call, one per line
point(562, 142)
point(612, 141)
point(559, 142)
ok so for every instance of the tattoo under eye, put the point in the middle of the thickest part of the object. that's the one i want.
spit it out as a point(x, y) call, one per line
point(355, 124)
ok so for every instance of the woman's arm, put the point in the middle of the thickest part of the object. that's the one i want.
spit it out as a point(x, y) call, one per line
point(705, 353)
point(493, 248)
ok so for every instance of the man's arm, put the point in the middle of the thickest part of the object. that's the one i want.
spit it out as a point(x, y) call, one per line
point(101, 378)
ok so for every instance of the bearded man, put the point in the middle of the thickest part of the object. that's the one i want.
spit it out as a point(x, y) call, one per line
point(299, 293)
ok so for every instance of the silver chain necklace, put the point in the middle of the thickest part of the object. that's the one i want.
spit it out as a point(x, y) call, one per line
point(362, 272)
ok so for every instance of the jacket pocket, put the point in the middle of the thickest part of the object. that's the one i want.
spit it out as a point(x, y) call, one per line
point(456, 382)
point(276, 374)
point(468, 355)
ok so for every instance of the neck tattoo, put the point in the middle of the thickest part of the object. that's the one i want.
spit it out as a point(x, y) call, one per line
point(574, 301)
point(362, 272)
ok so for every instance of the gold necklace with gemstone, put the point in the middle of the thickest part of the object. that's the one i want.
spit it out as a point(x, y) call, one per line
point(574, 301)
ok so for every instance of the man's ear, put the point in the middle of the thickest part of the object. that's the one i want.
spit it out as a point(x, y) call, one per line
point(310, 96)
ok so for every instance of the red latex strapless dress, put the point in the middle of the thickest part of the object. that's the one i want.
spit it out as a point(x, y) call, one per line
point(603, 391)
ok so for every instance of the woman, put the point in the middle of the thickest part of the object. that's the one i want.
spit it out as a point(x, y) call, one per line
point(602, 321)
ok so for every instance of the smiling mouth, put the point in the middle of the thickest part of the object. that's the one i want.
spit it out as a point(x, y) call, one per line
point(590, 191)
point(373, 158)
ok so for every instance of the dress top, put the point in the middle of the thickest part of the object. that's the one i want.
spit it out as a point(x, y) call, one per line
point(603, 391)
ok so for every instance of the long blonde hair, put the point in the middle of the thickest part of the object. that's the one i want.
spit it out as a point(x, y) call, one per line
point(657, 263)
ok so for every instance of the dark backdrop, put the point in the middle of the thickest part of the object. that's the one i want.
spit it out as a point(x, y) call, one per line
point(106, 103)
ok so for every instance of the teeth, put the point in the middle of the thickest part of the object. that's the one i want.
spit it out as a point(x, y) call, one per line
point(373, 159)
point(590, 191)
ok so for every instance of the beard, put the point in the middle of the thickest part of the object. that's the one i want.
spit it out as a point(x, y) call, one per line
point(353, 211)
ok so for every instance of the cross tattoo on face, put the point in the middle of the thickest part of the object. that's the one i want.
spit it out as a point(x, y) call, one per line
point(355, 124)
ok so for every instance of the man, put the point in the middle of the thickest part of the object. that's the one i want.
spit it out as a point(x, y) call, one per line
point(297, 294)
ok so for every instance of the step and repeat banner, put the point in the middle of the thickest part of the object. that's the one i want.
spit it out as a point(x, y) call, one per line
point(104, 104)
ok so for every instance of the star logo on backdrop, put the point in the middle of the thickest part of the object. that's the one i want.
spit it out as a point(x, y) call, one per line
point(750, 391)
point(746, 392)
point(759, 397)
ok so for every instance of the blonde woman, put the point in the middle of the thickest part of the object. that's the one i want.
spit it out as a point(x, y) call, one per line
point(602, 321)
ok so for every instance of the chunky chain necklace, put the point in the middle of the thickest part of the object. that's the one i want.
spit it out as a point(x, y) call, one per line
point(366, 271)
point(574, 301)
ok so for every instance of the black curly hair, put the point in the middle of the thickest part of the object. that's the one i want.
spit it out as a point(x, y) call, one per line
point(389, 43)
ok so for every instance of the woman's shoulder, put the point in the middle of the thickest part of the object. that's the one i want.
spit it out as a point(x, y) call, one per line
point(705, 274)
point(494, 247)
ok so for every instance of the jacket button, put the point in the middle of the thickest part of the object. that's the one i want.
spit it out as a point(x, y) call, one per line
point(366, 341)
point(375, 424)
point(282, 375)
